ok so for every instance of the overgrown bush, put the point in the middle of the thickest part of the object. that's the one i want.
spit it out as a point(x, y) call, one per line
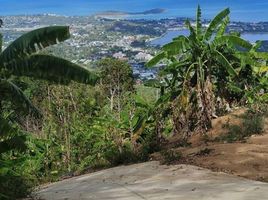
point(252, 123)
point(170, 155)
point(14, 187)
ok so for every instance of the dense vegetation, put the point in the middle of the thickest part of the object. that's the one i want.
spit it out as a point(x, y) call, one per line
point(59, 119)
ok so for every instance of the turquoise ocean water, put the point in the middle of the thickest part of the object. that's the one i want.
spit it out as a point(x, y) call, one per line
point(242, 10)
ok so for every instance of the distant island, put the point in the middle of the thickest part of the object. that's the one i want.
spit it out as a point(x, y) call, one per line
point(112, 13)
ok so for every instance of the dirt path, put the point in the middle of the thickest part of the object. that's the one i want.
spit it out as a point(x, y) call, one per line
point(248, 159)
point(152, 181)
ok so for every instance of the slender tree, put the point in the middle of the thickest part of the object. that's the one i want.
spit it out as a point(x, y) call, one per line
point(116, 78)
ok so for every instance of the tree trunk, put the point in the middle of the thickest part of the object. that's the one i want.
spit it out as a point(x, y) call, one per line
point(205, 101)
point(180, 115)
point(111, 100)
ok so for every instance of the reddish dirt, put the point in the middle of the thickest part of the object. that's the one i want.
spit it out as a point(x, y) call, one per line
point(248, 159)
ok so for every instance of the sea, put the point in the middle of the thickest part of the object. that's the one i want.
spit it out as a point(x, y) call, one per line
point(241, 10)
point(166, 38)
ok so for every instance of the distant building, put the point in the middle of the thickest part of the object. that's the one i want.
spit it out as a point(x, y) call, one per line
point(119, 55)
point(143, 57)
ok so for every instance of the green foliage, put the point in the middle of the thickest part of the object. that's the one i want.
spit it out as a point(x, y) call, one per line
point(116, 76)
point(116, 122)
point(50, 68)
point(215, 23)
point(148, 94)
point(33, 41)
point(19, 59)
point(11, 92)
point(14, 187)
point(170, 156)
point(252, 123)
point(123, 156)
point(235, 133)
point(94, 137)
point(200, 67)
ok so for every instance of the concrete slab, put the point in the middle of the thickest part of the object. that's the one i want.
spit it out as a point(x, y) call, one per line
point(152, 181)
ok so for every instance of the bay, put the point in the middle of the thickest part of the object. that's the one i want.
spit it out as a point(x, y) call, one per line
point(251, 37)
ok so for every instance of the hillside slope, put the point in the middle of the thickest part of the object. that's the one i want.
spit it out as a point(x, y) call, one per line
point(247, 158)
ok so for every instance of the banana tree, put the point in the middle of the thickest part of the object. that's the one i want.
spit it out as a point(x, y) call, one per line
point(22, 58)
point(252, 82)
point(195, 66)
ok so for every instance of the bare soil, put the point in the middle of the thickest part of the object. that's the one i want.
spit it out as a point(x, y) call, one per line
point(247, 158)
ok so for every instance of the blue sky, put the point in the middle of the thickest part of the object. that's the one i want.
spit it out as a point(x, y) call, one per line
point(243, 10)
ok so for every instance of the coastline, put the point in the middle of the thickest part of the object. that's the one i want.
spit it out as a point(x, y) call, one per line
point(164, 34)
point(250, 36)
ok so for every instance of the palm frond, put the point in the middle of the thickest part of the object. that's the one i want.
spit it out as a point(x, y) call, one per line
point(51, 68)
point(34, 41)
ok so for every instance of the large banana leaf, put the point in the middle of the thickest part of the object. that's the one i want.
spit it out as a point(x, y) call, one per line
point(215, 23)
point(225, 63)
point(14, 143)
point(10, 92)
point(9, 140)
point(140, 124)
point(223, 27)
point(233, 40)
point(33, 41)
point(156, 59)
point(256, 46)
point(51, 68)
point(6, 129)
point(260, 55)
point(192, 37)
point(177, 46)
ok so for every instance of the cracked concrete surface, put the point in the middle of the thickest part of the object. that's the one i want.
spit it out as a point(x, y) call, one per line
point(153, 181)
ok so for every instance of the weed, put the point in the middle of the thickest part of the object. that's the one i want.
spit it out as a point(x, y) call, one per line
point(170, 156)
point(252, 123)
point(204, 152)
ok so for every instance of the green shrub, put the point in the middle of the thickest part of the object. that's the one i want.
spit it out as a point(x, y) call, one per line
point(14, 187)
point(235, 133)
point(252, 123)
point(204, 152)
point(126, 155)
point(170, 156)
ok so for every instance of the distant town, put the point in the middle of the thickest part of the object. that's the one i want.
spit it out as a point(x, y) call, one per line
point(95, 37)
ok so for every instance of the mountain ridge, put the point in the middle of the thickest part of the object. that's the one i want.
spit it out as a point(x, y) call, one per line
point(115, 13)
